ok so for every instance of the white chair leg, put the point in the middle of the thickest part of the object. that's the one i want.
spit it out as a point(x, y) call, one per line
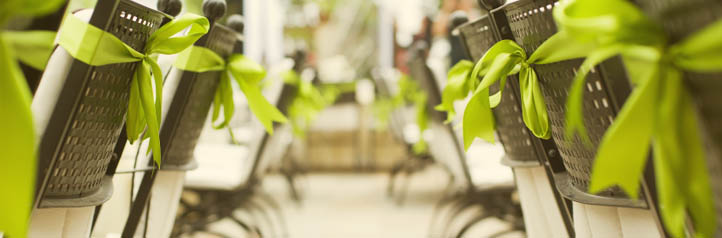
point(165, 198)
point(603, 221)
point(534, 218)
point(638, 223)
point(61, 222)
point(548, 202)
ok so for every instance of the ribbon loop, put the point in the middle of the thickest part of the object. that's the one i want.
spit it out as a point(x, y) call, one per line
point(502, 59)
point(246, 73)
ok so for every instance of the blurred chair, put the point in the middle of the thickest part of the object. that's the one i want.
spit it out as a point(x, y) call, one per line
point(533, 160)
point(228, 177)
point(79, 113)
point(187, 100)
point(482, 182)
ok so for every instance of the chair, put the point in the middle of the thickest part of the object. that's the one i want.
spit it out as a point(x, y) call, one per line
point(228, 177)
point(187, 100)
point(484, 183)
point(402, 130)
point(533, 160)
point(79, 113)
point(610, 213)
point(679, 19)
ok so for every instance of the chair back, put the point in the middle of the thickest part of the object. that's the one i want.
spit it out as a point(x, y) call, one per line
point(78, 141)
point(189, 108)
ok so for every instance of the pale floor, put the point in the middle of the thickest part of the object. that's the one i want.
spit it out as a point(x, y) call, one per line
point(355, 205)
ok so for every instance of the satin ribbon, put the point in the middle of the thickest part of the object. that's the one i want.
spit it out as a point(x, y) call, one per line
point(19, 163)
point(459, 83)
point(501, 60)
point(247, 73)
point(96, 47)
point(660, 111)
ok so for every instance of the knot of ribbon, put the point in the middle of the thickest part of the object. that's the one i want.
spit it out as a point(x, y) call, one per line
point(504, 58)
point(96, 47)
point(660, 110)
point(18, 165)
point(247, 74)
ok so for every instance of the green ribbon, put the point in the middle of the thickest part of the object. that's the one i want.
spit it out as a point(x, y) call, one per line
point(247, 73)
point(659, 111)
point(410, 92)
point(502, 59)
point(459, 83)
point(36, 46)
point(96, 47)
point(308, 103)
point(19, 163)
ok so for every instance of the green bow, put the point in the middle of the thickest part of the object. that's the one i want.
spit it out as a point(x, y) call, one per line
point(96, 47)
point(502, 59)
point(247, 73)
point(18, 163)
point(410, 92)
point(309, 101)
point(659, 111)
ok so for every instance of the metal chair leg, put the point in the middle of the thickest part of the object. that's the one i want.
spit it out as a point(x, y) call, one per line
point(395, 169)
point(262, 214)
point(276, 207)
point(471, 223)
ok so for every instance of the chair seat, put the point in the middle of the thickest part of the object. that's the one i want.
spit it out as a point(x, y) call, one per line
point(485, 168)
point(220, 167)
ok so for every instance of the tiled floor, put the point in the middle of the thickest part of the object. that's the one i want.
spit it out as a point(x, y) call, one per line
point(356, 206)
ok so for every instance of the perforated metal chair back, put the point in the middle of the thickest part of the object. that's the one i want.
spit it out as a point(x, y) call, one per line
point(86, 122)
point(530, 23)
point(192, 101)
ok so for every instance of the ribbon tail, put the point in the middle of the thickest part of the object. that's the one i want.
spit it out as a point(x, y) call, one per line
point(478, 118)
point(682, 174)
point(700, 203)
point(149, 109)
point(135, 123)
point(534, 111)
point(226, 97)
point(216, 103)
point(624, 148)
point(36, 46)
point(158, 81)
point(18, 164)
point(264, 111)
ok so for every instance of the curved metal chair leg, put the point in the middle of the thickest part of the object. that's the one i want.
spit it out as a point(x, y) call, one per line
point(437, 211)
point(395, 169)
point(471, 223)
point(457, 209)
point(276, 207)
point(262, 214)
